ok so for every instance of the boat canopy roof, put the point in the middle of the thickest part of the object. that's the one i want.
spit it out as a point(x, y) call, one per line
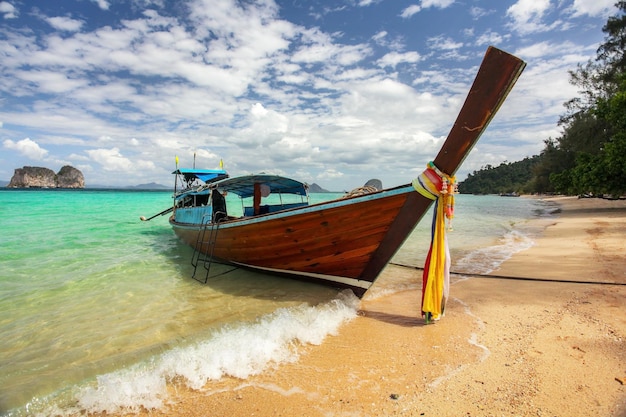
point(244, 186)
point(206, 175)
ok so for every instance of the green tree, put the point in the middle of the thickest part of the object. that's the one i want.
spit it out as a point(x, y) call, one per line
point(612, 51)
point(508, 177)
point(602, 171)
point(599, 79)
point(589, 155)
point(611, 160)
point(550, 161)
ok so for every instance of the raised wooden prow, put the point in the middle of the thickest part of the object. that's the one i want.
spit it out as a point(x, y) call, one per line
point(496, 76)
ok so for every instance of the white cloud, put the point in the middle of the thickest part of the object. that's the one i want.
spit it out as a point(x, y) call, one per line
point(440, 4)
point(416, 8)
point(478, 12)
point(318, 47)
point(51, 82)
point(593, 7)
point(112, 160)
point(392, 59)
point(545, 49)
point(206, 154)
point(102, 4)
point(490, 38)
point(330, 174)
point(26, 147)
point(64, 23)
point(380, 36)
point(443, 43)
point(528, 10)
point(265, 126)
point(75, 157)
point(410, 11)
point(8, 10)
point(528, 16)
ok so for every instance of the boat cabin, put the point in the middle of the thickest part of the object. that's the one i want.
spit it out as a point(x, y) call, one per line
point(203, 200)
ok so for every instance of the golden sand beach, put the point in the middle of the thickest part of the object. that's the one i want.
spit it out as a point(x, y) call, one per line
point(506, 347)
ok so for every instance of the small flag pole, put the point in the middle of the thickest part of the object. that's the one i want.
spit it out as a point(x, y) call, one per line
point(175, 180)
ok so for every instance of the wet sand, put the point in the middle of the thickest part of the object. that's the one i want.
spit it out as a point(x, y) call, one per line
point(505, 347)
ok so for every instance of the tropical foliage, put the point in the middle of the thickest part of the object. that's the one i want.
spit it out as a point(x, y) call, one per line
point(508, 177)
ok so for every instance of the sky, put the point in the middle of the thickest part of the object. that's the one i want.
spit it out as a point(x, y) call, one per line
point(332, 92)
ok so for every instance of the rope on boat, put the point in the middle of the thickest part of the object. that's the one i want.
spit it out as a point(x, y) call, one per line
point(565, 281)
point(367, 189)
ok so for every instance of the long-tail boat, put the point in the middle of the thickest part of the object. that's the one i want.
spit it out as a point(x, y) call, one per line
point(344, 242)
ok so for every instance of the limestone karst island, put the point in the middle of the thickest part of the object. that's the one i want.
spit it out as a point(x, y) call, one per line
point(38, 177)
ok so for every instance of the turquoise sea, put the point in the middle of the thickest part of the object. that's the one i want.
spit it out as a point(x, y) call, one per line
point(98, 310)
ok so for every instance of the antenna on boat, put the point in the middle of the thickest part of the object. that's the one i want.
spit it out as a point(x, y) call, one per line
point(175, 178)
point(194, 159)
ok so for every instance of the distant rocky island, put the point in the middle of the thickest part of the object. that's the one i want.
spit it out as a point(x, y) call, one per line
point(150, 186)
point(314, 188)
point(39, 177)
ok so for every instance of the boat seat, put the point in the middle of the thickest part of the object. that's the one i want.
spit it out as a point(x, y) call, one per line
point(219, 206)
point(249, 211)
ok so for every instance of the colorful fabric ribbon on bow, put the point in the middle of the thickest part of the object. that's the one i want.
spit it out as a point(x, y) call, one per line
point(440, 187)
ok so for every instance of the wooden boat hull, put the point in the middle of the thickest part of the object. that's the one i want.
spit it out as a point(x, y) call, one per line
point(343, 242)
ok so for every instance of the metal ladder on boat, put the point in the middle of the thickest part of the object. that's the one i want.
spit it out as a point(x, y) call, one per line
point(199, 257)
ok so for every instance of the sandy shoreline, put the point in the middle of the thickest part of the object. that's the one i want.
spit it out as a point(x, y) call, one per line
point(505, 347)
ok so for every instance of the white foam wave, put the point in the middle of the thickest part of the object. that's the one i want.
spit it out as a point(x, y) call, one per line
point(377, 292)
point(488, 259)
point(238, 351)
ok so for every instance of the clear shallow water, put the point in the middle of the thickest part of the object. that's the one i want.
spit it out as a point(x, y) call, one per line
point(98, 309)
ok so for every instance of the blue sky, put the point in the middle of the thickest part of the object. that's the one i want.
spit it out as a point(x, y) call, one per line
point(329, 92)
